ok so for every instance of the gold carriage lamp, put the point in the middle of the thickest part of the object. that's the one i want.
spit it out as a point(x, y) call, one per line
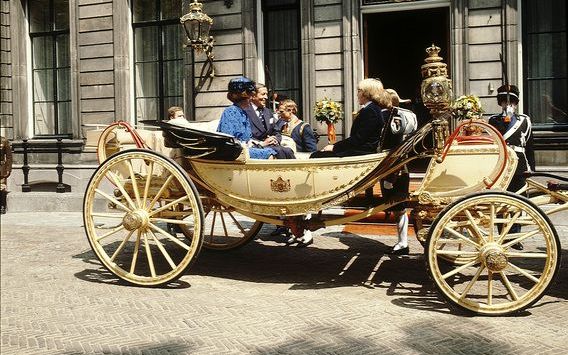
point(436, 92)
point(197, 24)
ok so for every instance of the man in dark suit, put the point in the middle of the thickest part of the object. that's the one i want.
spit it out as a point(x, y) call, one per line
point(262, 125)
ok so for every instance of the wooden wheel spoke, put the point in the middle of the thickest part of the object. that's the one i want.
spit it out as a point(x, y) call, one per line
point(149, 256)
point(237, 223)
point(172, 221)
point(520, 239)
point(223, 223)
point(118, 184)
point(489, 288)
point(108, 234)
point(135, 254)
point(474, 226)
point(509, 226)
point(113, 200)
point(527, 255)
point(121, 246)
point(523, 272)
point(211, 234)
point(457, 252)
point(462, 237)
point(169, 236)
point(160, 192)
point(164, 251)
point(472, 282)
point(460, 269)
point(492, 223)
point(168, 205)
point(148, 183)
point(107, 215)
point(508, 285)
point(134, 183)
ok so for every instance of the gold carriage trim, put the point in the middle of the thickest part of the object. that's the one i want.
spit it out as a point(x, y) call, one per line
point(279, 185)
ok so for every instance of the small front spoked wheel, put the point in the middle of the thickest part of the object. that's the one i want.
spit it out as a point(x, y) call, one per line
point(492, 277)
point(131, 199)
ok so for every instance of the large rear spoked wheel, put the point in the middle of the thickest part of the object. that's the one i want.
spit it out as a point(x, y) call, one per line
point(492, 278)
point(130, 201)
point(224, 228)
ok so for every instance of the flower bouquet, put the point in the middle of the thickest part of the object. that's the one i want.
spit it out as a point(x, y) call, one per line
point(468, 107)
point(329, 112)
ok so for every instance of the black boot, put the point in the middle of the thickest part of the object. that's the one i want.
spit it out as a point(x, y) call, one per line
point(3, 201)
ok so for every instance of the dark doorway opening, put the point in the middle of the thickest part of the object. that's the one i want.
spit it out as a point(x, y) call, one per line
point(394, 48)
point(395, 43)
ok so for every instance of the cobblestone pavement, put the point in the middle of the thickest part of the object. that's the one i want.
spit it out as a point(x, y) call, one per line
point(340, 295)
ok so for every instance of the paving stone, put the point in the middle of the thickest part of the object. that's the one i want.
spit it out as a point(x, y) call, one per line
point(340, 295)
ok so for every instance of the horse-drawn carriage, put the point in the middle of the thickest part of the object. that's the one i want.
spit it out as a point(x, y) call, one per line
point(147, 216)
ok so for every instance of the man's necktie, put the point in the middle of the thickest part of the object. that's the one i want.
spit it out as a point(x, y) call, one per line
point(261, 116)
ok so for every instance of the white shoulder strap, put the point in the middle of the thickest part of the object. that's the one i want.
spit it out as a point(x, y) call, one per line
point(515, 127)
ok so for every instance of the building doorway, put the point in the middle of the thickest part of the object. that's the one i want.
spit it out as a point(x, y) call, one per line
point(394, 46)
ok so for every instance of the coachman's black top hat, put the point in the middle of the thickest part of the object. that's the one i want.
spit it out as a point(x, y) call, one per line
point(513, 92)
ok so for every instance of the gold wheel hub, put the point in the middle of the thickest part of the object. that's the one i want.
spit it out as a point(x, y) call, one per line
point(137, 219)
point(494, 258)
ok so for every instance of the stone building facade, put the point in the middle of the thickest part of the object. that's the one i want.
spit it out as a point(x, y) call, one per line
point(68, 66)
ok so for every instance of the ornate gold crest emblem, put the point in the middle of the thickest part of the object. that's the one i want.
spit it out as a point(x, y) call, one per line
point(279, 185)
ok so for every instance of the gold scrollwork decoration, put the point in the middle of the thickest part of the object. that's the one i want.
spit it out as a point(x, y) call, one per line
point(279, 185)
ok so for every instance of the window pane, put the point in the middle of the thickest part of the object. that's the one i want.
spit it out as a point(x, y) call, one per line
point(547, 54)
point(146, 109)
point(147, 80)
point(173, 78)
point(63, 84)
point(64, 117)
point(546, 13)
point(173, 48)
point(171, 9)
point(44, 118)
point(146, 44)
point(62, 43)
point(61, 12)
point(43, 85)
point(39, 15)
point(42, 52)
point(546, 100)
point(144, 10)
point(275, 22)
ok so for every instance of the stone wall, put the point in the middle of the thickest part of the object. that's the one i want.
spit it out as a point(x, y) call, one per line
point(6, 113)
point(95, 48)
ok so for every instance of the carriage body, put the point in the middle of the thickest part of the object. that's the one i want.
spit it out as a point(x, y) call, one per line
point(201, 189)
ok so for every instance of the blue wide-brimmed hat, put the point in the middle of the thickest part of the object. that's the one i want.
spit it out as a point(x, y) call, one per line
point(241, 84)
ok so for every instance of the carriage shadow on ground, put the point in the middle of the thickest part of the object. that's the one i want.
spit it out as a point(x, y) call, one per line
point(334, 260)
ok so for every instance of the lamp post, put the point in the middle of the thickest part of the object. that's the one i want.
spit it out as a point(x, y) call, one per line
point(197, 25)
point(436, 92)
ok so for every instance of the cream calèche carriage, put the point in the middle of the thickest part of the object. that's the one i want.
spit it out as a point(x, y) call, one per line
point(148, 212)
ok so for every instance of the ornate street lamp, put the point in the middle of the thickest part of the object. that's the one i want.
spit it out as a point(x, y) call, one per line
point(436, 92)
point(197, 24)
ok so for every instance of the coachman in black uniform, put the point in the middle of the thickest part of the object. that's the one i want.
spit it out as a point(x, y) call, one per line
point(517, 131)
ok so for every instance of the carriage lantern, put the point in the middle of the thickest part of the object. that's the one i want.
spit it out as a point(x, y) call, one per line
point(197, 24)
point(436, 92)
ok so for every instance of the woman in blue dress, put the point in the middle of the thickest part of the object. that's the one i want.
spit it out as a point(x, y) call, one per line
point(234, 120)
